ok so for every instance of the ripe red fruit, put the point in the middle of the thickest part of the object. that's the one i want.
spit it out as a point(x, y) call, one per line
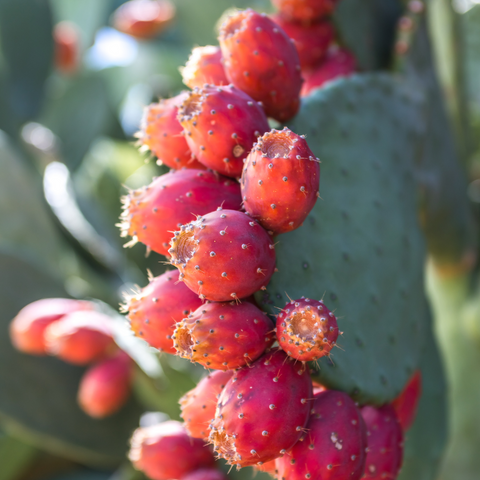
point(221, 125)
point(262, 411)
point(106, 386)
point(80, 337)
point(204, 66)
point(27, 330)
point(333, 446)
point(223, 255)
point(305, 10)
point(280, 181)
point(66, 43)
point(268, 467)
point(199, 404)
point(165, 451)
point(224, 335)
point(385, 443)
point(406, 404)
point(155, 310)
point(153, 212)
point(205, 474)
point(262, 61)
point(306, 329)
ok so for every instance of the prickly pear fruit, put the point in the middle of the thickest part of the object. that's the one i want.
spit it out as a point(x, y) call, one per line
point(305, 10)
point(333, 445)
point(221, 125)
point(224, 255)
point(268, 467)
point(280, 181)
point(153, 212)
point(157, 307)
point(80, 337)
point(224, 336)
point(262, 61)
point(318, 387)
point(105, 387)
point(205, 474)
point(385, 443)
point(262, 411)
point(66, 47)
point(27, 330)
point(165, 451)
point(406, 403)
point(306, 329)
point(199, 404)
point(204, 66)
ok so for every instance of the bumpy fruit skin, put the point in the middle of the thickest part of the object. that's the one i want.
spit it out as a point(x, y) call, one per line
point(385, 443)
point(205, 474)
point(80, 337)
point(204, 66)
point(105, 387)
point(165, 451)
point(280, 181)
point(199, 404)
point(306, 329)
point(27, 330)
point(221, 125)
point(333, 445)
point(262, 411)
point(305, 10)
point(153, 212)
point(406, 404)
point(224, 336)
point(262, 61)
point(66, 44)
point(223, 256)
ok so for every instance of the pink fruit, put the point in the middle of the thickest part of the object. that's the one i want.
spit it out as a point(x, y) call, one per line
point(106, 386)
point(262, 411)
point(165, 451)
point(153, 212)
point(224, 335)
point(221, 125)
point(204, 66)
point(199, 404)
point(385, 443)
point(28, 327)
point(406, 404)
point(155, 310)
point(305, 10)
point(280, 181)
point(205, 474)
point(262, 61)
point(333, 445)
point(224, 255)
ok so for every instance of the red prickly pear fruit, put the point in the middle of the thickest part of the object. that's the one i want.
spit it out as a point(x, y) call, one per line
point(165, 451)
point(199, 404)
point(268, 467)
point(105, 387)
point(204, 66)
point(162, 134)
point(80, 337)
point(221, 125)
point(305, 10)
point(280, 181)
point(339, 63)
point(262, 411)
point(223, 256)
point(153, 212)
point(157, 307)
point(406, 403)
point(262, 61)
point(66, 47)
point(224, 336)
point(27, 329)
point(385, 443)
point(205, 474)
point(333, 447)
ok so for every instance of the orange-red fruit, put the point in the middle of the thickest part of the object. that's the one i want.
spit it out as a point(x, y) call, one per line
point(105, 387)
point(155, 310)
point(28, 327)
point(406, 404)
point(221, 125)
point(280, 181)
point(153, 212)
point(204, 66)
point(165, 451)
point(305, 10)
point(162, 134)
point(199, 404)
point(66, 43)
point(262, 61)
point(268, 467)
point(205, 474)
point(80, 337)
point(143, 19)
